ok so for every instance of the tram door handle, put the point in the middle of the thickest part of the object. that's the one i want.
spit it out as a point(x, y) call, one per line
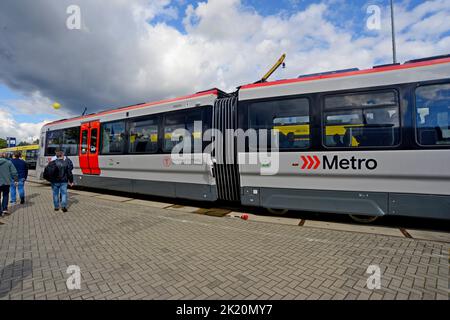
point(211, 165)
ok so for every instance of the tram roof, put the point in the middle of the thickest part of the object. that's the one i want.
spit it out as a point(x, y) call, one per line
point(353, 72)
point(138, 106)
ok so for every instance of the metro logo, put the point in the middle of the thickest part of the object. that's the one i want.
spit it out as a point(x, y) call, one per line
point(334, 163)
point(310, 162)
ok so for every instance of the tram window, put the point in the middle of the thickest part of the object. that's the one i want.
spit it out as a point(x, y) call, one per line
point(113, 137)
point(196, 135)
point(144, 136)
point(84, 139)
point(65, 140)
point(181, 120)
point(172, 122)
point(32, 155)
point(206, 123)
point(93, 146)
point(361, 120)
point(54, 140)
point(290, 117)
point(70, 139)
point(433, 114)
point(352, 117)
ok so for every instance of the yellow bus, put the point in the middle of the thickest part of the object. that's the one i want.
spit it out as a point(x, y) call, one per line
point(29, 154)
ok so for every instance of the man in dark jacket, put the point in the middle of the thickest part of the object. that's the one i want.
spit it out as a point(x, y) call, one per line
point(7, 172)
point(59, 183)
point(22, 171)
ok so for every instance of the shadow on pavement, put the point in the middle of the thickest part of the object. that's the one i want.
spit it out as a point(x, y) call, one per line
point(13, 275)
point(31, 196)
point(71, 201)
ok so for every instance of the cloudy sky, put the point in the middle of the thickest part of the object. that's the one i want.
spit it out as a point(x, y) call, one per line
point(132, 51)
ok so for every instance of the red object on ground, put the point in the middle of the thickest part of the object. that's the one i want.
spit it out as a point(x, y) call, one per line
point(244, 216)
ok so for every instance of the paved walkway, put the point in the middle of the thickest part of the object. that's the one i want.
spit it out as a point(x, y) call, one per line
point(129, 250)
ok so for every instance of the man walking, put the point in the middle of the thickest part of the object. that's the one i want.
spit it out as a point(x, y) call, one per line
point(7, 173)
point(60, 177)
point(65, 158)
point(22, 171)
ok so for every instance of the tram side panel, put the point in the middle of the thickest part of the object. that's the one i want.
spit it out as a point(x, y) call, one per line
point(153, 175)
point(404, 182)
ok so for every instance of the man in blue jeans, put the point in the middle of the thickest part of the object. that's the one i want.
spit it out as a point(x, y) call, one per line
point(7, 173)
point(22, 170)
point(63, 177)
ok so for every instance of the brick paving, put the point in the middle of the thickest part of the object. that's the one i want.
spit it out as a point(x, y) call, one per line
point(130, 251)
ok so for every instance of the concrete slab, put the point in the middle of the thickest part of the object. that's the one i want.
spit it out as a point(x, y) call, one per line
point(215, 212)
point(279, 220)
point(153, 204)
point(429, 235)
point(84, 193)
point(183, 208)
point(113, 198)
point(354, 228)
point(37, 181)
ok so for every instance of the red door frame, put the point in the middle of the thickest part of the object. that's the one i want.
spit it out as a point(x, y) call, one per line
point(94, 135)
point(88, 149)
point(83, 149)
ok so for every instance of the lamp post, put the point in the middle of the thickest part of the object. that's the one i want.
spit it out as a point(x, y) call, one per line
point(394, 49)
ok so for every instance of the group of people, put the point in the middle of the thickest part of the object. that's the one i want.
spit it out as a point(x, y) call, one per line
point(14, 173)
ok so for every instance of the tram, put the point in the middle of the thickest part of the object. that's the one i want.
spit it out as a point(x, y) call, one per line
point(367, 143)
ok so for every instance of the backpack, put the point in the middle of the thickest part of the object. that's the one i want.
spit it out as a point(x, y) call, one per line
point(51, 172)
point(61, 166)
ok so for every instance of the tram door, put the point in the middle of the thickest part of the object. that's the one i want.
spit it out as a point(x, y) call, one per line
point(89, 145)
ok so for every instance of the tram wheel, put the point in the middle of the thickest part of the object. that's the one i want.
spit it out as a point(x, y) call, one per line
point(278, 212)
point(363, 219)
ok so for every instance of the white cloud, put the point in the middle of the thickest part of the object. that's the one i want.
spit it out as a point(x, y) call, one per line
point(21, 131)
point(33, 104)
point(123, 59)
point(26, 106)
